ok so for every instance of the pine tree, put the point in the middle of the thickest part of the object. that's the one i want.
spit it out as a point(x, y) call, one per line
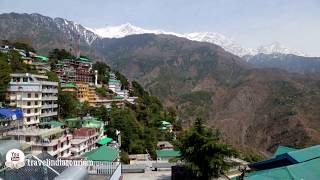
point(202, 152)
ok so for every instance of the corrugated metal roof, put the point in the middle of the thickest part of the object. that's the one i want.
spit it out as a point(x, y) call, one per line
point(306, 170)
point(69, 85)
point(52, 123)
point(103, 153)
point(305, 154)
point(104, 141)
point(168, 153)
point(43, 58)
point(282, 149)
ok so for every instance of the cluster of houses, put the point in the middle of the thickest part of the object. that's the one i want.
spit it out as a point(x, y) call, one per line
point(31, 114)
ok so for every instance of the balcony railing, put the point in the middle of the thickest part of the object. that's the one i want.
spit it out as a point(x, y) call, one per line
point(46, 106)
point(46, 114)
point(52, 98)
point(50, 90)
point(31, 114)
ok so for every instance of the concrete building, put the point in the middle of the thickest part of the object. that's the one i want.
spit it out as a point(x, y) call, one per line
point(55, 141)
point(35, 95)
point(76, 70)
point(84, 140)
point(84, 93)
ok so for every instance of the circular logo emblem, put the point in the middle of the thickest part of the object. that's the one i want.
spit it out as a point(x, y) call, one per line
point(15, 159)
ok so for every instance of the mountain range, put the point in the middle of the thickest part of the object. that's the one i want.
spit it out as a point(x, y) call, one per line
point(211, 37)
point(254, 109)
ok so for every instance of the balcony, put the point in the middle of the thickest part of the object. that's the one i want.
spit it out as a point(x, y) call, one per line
point(31, 122)
point(30, 98)
point(54, 142)
point(79, 149)
point(50, 91)
point(47, 106)
point(50, 98)
point(46, 114)
point(30, 107)
point(24, 88)
point(31, 114)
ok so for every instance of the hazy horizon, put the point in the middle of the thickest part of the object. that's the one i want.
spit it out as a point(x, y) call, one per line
point(250, 23)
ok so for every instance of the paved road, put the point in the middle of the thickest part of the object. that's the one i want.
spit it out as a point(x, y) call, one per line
point(148, 175)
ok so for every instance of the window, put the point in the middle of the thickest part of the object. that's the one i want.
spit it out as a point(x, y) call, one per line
point(45, 149)
point(36, 95)
point(36, 103)
point(29, 103)
point(25, 79)
point(36, 111)
point(28, 119)
point(28, 111)
point(28, 139)
point(29, 95)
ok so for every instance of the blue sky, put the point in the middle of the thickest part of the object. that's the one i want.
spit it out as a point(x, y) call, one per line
point(294, 23)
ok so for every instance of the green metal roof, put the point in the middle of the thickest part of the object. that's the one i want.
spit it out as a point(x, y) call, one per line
point(165, 123)
point(52, 123)
point(71, 119)
point(305, 154)
point(83, 59)
point(113, 80)
point(163, 128)
point(168, 153)
point(117, 97)
point(52, 131)
point(104, 141)
point(306, 170)
point(43, 58)
point(103, 153)
point(69, 85)
point(91, 123)
point(282, 149)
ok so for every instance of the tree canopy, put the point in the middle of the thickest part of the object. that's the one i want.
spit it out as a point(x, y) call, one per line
point(103, 72)
point(59, 54)
point(202, 152)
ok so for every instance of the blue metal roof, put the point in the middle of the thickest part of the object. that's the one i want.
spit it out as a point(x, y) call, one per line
point(9, 113)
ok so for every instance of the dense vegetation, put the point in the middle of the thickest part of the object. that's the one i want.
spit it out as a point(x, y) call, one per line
point(103, 72)
point(202, 153)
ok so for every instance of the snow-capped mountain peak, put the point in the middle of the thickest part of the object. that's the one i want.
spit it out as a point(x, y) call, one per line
point(121, 31)
point(276, 47)
point(211, 37)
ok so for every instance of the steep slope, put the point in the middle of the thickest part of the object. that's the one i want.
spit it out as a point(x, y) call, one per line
point(44, 32)
point(252, 108)
point(288, 62)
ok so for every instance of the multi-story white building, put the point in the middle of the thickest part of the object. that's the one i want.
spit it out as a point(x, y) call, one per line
point(84, 140)
point(35, 95)
point(55, 141)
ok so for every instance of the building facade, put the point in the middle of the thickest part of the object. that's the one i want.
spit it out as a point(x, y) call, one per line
point(84, 140)
point(55, 141)
point(35, 95)
point(76, 70)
